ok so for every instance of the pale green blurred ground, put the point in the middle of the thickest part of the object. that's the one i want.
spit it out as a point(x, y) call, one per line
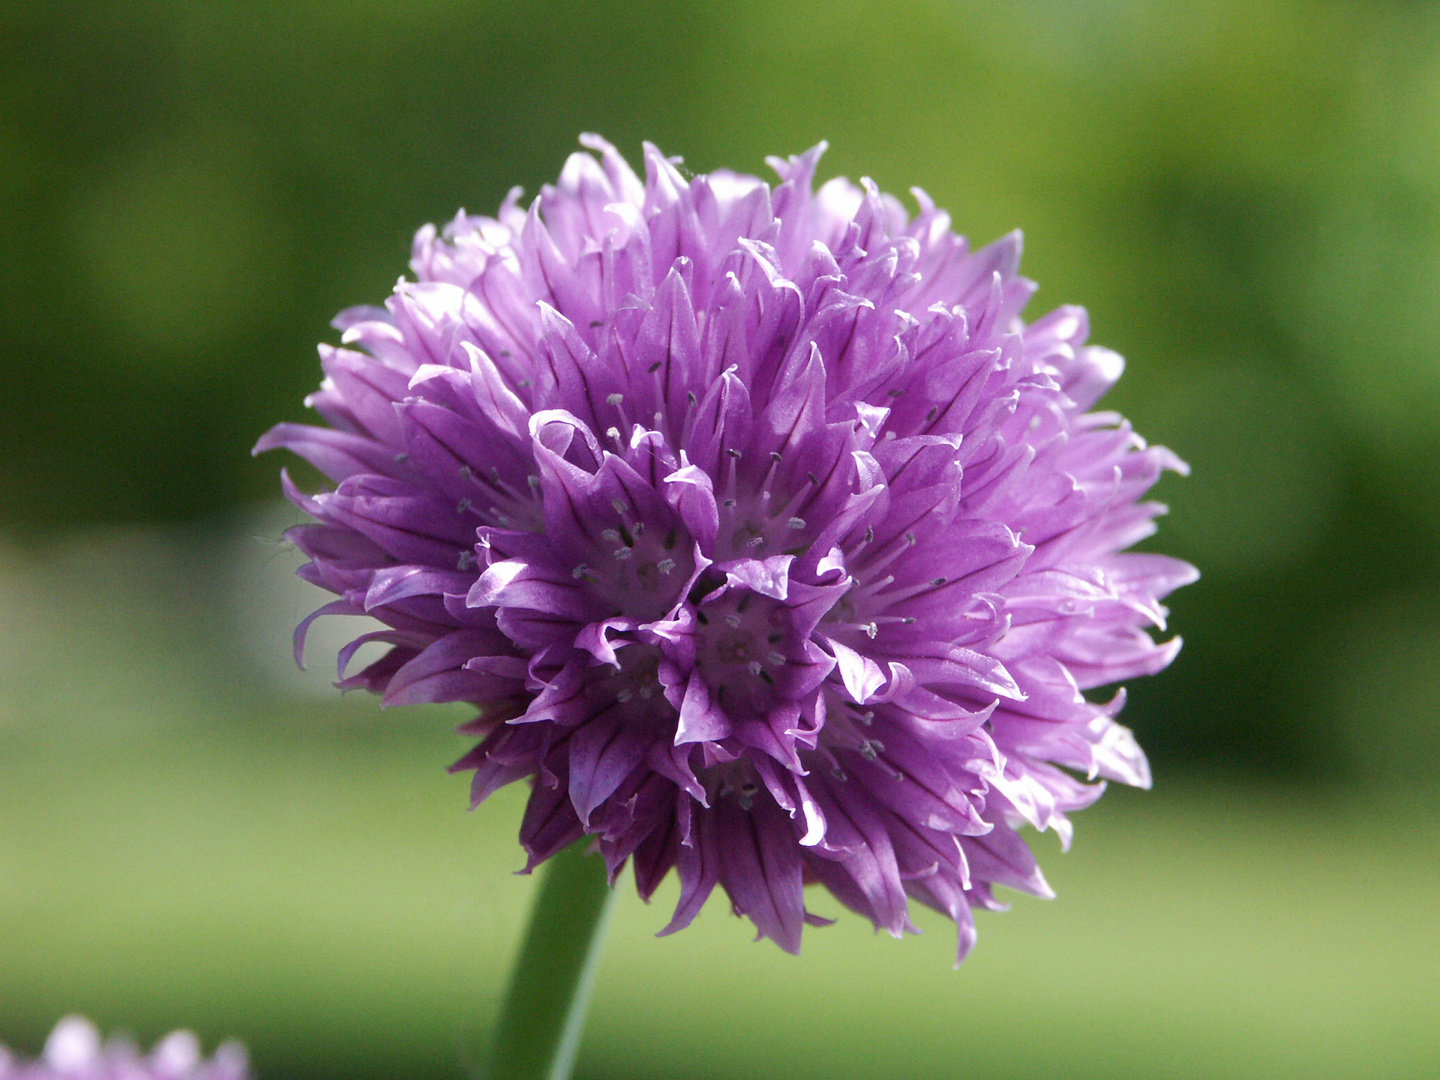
point(191, 832)
point(318, 890)
point(1245, 195)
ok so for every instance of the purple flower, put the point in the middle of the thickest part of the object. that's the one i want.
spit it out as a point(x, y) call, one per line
point(769, 540)
point(74, 1052)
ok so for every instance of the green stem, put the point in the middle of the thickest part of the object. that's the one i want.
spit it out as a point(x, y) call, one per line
point(543, 1016)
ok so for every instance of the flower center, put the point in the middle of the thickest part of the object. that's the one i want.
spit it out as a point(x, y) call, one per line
point(742, 639)
point(637, 570)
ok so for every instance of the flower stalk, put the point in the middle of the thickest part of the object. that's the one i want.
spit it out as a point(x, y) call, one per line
point(542, 1018)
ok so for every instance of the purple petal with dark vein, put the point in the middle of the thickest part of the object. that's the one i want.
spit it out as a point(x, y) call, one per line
point(760, 870)
point(603, 752)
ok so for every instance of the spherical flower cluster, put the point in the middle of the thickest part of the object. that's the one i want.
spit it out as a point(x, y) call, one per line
point(74, 1052)
point(772, 544)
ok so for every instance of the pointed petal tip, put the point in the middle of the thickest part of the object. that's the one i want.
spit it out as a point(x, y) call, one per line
point(274, 439)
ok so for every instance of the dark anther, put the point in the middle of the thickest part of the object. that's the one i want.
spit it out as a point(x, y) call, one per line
point(654, 367)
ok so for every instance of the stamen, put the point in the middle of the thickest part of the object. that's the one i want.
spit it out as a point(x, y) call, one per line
point(754, 666)
point(622, 553)
point(875, 590)
point(614, 399)
point(796, 523)
point(888, 554)
point(665, 566)
point(732, 621)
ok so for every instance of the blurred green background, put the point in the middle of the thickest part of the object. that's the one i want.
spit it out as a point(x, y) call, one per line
point(1245, 195)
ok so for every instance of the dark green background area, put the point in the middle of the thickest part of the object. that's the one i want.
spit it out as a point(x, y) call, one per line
point(1246, 196)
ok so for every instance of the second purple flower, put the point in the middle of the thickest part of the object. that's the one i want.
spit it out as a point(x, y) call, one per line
point(770, 541)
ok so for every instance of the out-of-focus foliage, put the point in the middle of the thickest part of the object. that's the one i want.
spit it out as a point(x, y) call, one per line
point(1246, 196)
